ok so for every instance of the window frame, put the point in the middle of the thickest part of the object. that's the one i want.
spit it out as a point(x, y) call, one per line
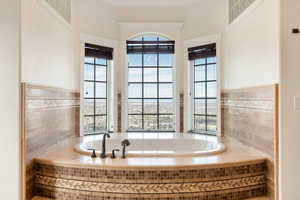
point(193, 67)
point(157, 98)
point(189, 105)
point(94, 98)
point(111, 93)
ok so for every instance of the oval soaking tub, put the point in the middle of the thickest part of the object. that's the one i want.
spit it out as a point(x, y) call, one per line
point(154, 144)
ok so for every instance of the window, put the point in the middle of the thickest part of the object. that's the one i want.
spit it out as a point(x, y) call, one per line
point(96, 88)
point(150, 84)
point(204, 88)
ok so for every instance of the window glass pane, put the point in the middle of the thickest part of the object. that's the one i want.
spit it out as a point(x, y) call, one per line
point(135, 122)
point(165, 60)
point(150, 59)
point(89, 60)
point(150, 106)
point(100, 124)
point(211, 72)
point(134, 106)
point(161, 38)
point(200, 73)
point(199, 90)
point(134, 90)
point(200, 61)
point(200, 123)
point(100, 90)
point(88, 124)
point(140, 38)
point(212, 60)
point(166, 90)
point(135, 60)
point(150, 90)
point(135, 74)
point(101, 61)
point(212, 107)
point(100, 73)
point(150, 75)
point(100, 106)
point(166, 123)
point(200, 106)
point(212, 124)
point(211, 89)
point(166, 106)
point(88, 89)
point(88, 106)
point(150, 38)
point(150, 122)
point(165, 75)
point(89, 72)
point(148, 86)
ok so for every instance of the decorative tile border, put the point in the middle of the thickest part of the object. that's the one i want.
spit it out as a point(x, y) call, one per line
point(233, 194)
point(244, 103)
point(148, 188)
point(152, 176)
point(235, 182)
point(50, 104)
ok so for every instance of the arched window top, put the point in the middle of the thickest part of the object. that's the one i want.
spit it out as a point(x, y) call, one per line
point(150, 37)
point(150, 43)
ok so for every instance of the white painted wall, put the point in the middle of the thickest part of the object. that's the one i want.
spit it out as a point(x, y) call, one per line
point(207, 17)
point(47, 48)
point(290, 88)
point(251, 47)
point(95, 17)
point(9, 101)
point(166, 14)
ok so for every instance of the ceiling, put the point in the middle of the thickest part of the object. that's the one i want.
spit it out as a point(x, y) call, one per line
point(152, 3)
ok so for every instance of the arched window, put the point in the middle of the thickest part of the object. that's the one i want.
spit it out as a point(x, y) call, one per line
point(150, 84)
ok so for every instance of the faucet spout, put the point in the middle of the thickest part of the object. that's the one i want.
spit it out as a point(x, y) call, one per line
point(103, 153)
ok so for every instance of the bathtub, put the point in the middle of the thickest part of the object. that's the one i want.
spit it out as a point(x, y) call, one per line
point(154, 144)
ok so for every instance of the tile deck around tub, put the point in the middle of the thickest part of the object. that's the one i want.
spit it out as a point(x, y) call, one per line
point(257, 198)
point(64, 155)
point(237, 174)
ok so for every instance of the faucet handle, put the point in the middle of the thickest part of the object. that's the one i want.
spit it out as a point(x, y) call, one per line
point(113, 154)
point(125, 142)
point(93, 154)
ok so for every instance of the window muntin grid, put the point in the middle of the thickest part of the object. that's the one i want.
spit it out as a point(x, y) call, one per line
point(205, 95)
point(150, 90)
point(95, 95)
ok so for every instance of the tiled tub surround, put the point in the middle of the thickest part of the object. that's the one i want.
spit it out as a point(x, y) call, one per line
point(155, 145)
point(50, 115)
point(238, 173)
point(250, 115)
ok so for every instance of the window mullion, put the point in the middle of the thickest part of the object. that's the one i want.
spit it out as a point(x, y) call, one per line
point(158, 84)
point(94, 111)
point(143, 104)
point(206, 129)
